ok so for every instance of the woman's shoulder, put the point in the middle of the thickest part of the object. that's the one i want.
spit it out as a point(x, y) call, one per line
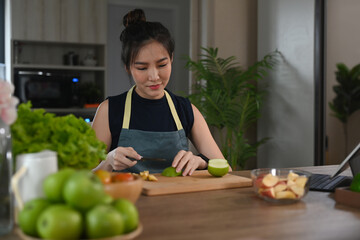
point(184, 108)
point(116, 105)
point(117, 98)
point(179, 100)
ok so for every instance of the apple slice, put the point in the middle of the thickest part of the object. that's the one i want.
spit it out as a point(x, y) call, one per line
point(290, 183)
point(292, 176)
point(270, 180)
point(267, 192)
point(299, 191)
point(258, 182)
point(301, 181)
point(283, 179)
point(280, 186)
point(152, 178)
point(285, 194)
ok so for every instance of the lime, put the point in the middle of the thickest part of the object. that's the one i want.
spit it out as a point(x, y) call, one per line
point(355, 184)
point(171, 172)
point(218, 167)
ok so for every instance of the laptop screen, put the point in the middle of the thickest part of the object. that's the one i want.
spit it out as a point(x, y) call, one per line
point(353, 159)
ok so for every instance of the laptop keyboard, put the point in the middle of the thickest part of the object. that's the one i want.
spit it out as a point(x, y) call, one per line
point(323, 182)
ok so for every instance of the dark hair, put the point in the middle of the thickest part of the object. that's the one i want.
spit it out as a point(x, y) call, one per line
point(139, 32)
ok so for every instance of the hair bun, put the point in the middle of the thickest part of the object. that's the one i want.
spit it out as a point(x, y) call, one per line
point(134, 16)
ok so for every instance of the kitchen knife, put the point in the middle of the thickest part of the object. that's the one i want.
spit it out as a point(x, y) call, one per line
point(148, 159)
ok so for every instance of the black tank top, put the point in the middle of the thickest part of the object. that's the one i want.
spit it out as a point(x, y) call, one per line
point(148, 114)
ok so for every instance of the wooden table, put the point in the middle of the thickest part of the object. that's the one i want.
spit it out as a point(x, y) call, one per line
point(239, 214)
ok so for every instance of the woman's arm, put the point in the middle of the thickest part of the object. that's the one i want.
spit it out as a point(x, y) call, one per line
point(203, 141)
point(101, 124)
point(201, 137)
point(117, 158)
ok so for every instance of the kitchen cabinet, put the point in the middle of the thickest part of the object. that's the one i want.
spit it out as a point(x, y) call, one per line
point(49, 56)
point(44, 32)
point(28, 18)
point(74, 21)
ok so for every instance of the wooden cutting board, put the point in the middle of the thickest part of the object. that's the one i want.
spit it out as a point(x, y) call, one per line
point(199, 181)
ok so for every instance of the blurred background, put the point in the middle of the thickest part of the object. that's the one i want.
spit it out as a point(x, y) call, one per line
point(76, 44)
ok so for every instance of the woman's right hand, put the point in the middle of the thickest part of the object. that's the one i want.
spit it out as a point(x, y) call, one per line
point(117, 158)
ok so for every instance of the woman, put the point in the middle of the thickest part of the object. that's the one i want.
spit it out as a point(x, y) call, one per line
point(149, 121)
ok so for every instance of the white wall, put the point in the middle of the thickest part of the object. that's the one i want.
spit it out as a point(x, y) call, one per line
point(234, 29)
point(231, 26)
point(342, 45)
point(288, 112)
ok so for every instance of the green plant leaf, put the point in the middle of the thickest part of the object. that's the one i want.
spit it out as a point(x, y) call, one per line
point(72, 138)
point(227, 96)
point(347, 99)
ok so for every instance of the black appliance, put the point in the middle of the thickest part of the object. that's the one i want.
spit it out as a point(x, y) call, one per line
point(47, 88)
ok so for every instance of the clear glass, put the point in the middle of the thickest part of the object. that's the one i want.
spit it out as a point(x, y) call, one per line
point(258, 174)
point(6, 170)
point(6, 201)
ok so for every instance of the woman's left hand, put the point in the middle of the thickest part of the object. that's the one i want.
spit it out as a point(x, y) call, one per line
point(188, 162)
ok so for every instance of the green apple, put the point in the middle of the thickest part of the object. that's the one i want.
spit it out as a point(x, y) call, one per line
point(54, 183)
point(129, 213)
point(29, 215)
point(83, 190)
point(103, 221)
point(107, 199)
point(60, 221)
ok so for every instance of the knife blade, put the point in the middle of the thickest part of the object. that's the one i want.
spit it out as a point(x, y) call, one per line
point(148, 159)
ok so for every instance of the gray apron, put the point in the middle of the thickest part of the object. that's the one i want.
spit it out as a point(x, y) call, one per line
point(152, 144)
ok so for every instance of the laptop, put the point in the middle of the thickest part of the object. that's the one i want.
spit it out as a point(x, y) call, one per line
point(328, 183)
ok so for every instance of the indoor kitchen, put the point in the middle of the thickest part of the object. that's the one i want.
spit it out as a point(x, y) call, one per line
point(274, 83)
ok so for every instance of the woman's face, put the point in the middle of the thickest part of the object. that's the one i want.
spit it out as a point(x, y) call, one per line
point(151, 70)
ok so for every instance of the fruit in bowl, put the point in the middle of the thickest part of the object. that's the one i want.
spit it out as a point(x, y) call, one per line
point(81, 209)
point(121, 185)
point(280, 185)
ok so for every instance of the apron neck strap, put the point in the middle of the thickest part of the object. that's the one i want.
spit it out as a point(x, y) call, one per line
point(127, 111)
point(173, 111)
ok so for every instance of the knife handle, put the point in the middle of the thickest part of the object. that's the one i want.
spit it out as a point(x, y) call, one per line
point(132, 159)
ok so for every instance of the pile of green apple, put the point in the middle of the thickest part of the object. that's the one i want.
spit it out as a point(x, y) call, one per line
point(291, 187)
point(76, 207)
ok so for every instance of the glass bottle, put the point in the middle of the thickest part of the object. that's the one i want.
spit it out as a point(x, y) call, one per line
point(6, 201)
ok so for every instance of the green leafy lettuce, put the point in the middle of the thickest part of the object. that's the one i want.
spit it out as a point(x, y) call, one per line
point(72, 138)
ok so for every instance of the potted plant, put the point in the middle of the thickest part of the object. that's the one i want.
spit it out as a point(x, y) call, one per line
point(347, 99)
point(227, 96)
point(90, 94)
